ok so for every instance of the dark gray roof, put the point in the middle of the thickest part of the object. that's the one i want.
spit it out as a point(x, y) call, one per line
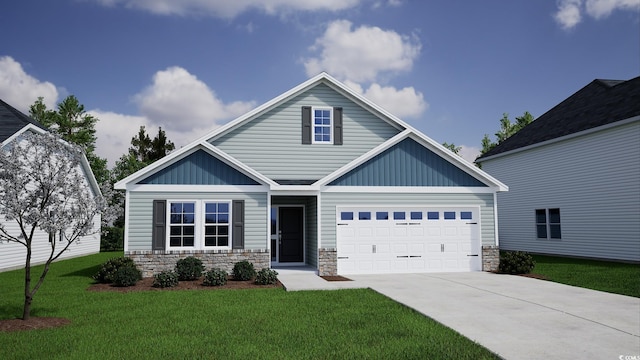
point(600, 103)
point(12, 120)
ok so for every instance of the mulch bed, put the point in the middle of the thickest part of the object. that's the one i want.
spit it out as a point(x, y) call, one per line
point(335, 278)
point(145, 284)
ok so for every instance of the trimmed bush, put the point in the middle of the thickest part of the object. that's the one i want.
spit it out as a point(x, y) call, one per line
point(109, 268)
point(516, 262)
point(127, 276)
point(165, 279)
point(215, 277)
point(266, 277)
point(243, 270)
point(189, 268)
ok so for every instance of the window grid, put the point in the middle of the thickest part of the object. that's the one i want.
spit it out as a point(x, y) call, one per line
point(182, 224)
point(548, 224)
point(322, 125)
point(216, 228)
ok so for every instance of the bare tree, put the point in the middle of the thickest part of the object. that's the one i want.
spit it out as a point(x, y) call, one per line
point(43, 188)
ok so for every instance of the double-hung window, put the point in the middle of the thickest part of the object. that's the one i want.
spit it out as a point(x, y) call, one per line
point(322, 125)
point(199, 224)
point(548, 224)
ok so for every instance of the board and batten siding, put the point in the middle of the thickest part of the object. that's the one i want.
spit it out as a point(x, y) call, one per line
point(141, 207)
point(272, 143)
point(593, 179)
point(332, 200)
point(13, 255)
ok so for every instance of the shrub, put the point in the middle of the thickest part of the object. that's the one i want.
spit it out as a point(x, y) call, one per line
point(109, 268)
point(215, 277)
point(516, 262)
point(266, 277)
point(112, 239)
point(189, 268)
point(165, 279)
point(127, 276)
point(243, 270)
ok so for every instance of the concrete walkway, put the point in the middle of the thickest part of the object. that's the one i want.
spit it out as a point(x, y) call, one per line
point(515, 317)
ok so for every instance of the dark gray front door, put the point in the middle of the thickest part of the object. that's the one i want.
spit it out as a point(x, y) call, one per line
point(291, 247)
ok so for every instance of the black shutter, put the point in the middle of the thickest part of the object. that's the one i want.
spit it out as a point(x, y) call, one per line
point(238, 224)
point(158, 232)
point(306, 125)
point(337, 126)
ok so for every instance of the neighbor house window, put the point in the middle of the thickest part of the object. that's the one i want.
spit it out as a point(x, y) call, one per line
point(322, 125)
point(548, 224)
point(199, 224)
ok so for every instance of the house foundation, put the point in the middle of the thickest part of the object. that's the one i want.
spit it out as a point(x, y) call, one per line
point(152, 262)
point(327, 262)
point(490, 258)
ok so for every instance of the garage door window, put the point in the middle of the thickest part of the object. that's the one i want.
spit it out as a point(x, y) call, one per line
point(364, 215)
point(346, 215)
point(382, 215)
point(433, 215)
point(465, 215)
point(399, 215)
point(449, 215)
point(416, 215)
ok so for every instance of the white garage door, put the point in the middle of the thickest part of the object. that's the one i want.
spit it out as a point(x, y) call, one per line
point(378, 240)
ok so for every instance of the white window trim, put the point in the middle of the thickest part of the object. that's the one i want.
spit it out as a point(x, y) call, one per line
point(199, 224)
point(313, 125)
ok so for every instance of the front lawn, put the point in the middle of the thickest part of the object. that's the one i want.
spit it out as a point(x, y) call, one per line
point(613, 277)
point(220, 324)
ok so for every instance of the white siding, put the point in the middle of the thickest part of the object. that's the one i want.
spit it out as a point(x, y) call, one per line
point(331, 200)
point(141, 209)
point(13, 255)
point(272, 143)
point(595, 182)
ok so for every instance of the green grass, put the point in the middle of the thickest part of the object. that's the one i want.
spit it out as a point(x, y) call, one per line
point(220, 324)
point(613, 277)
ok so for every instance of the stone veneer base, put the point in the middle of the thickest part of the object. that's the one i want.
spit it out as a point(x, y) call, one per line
point(490, 258)
point(327, 262)
point(152, 262)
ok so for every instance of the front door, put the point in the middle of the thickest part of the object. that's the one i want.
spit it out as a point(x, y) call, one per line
point(290, 234)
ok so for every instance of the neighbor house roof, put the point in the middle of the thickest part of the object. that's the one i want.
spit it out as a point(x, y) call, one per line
point(601, 102)
point(12, 121)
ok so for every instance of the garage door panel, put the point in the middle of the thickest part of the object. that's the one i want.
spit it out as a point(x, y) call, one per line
point(409, 239)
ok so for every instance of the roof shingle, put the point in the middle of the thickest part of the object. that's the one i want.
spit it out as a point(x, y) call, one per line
point(599, 103)
point(12, 120)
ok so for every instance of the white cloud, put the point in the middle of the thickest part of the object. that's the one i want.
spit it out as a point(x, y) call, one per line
point(469, 153)
point(230, 8)
point(406, 102)
point(179, 101)
point(570, 12)
point(361, 55)
point(21, 90)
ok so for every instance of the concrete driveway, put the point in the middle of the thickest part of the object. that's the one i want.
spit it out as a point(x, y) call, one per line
point(518, 317)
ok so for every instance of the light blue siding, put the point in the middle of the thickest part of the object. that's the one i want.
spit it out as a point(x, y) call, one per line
point(407, 164)
point(272, 143)
point(593, 179)
point(330, 201)
point(140, 211)
point(199, 168)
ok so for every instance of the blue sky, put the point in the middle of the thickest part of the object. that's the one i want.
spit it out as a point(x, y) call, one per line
point(448, 68)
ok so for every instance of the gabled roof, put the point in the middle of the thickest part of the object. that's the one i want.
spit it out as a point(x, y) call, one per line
point(601, 102)
point(326, 79)
point(12, 120)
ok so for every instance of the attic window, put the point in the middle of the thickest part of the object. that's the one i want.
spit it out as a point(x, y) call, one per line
point(322, 124)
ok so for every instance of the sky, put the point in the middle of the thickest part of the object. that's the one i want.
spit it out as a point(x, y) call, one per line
point(448, 68)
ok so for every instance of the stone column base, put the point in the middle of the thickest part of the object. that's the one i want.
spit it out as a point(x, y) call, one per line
point(490, 258)
point(327, 262)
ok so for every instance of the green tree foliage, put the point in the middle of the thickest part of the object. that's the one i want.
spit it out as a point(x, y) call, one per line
point(507, 129)
point(70, 121)
point(452, 147)
point(143, 151)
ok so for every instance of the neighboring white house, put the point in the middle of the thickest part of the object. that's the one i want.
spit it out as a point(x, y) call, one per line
point(574, 176)
point(13, 123)
point(318, 176)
